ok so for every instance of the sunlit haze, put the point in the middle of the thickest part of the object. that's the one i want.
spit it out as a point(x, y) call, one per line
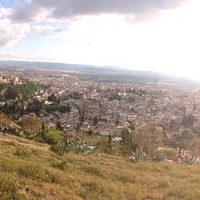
point(157, 35)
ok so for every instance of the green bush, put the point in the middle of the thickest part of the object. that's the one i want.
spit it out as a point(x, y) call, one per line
point(52, 136)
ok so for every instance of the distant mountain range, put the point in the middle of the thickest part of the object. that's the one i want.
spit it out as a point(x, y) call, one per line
point(102, 73)
point(52, 65)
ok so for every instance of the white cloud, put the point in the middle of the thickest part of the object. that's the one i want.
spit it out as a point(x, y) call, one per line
point(12, 33)
point(6, 55)
point(46, 29)
point(4, 12)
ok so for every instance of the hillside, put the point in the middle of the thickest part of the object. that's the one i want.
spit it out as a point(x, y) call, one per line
point(10, 91)
point(30, 171)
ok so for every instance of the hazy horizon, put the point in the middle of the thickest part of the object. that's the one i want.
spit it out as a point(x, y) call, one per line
point(158, 36)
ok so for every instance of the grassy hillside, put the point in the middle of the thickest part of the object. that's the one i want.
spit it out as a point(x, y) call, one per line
point(30, 171)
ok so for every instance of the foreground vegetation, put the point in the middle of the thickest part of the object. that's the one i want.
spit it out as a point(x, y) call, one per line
point(29, 170)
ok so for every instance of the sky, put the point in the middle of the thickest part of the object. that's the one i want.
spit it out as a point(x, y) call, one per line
point(153, 35)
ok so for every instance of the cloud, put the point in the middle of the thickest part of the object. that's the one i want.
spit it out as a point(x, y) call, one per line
point(59, 9)
point(30, 12)
point(46, 30)
point(6, 55)
point(11, 33)
point(4, 12)
point(15, 56)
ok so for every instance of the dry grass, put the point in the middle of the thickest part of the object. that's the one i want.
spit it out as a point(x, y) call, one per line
point(28, 172)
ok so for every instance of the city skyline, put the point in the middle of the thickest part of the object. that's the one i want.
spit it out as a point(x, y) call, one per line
point(159, 36)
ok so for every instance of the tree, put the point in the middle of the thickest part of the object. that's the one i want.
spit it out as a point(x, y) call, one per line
point(148, 139)
point(52, 98)
point(188, 120)
point(36, 107)
point(127, 140)
point(43, 130)
point(187, 134)
point(117, 121)
point(183, 139)
point(78, 127)
point(10, 93)
point(131, 99)
point(4, 119)
point(90, 132)
point(95, 121)
point(115, 96)
point(110, 141)
point(68, 108)
point(58, 125)
point(31, 123)
point(131, 126)
point(82, 117)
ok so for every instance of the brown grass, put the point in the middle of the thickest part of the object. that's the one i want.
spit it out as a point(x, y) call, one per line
point(28, 172)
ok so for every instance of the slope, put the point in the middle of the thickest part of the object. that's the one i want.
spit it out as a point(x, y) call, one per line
point(29, 170)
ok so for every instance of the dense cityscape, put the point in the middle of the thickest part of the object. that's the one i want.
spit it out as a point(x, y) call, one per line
point(76, 106)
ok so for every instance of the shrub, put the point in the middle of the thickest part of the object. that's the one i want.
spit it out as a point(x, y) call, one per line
point(52, 136)
point(32, 171)
point(62, 146)
point(21, 152)
point(60, 165)
point(161, 153)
